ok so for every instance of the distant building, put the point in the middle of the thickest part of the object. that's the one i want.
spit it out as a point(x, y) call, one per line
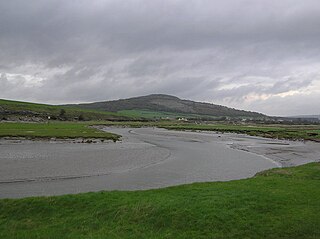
point(182, 119)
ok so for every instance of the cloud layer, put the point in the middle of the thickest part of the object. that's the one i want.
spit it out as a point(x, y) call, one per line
point(249, 54)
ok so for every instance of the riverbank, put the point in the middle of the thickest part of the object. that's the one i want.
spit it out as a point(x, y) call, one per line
point(71, 130)
point(53, 130)
point(278, 203)
point(277, 131)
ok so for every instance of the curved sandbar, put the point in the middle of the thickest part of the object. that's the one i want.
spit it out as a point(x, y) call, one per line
point(146, 158)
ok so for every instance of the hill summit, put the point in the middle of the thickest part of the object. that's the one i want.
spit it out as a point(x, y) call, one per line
point(169, 103)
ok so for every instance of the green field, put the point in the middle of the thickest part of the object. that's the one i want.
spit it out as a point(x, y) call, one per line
point(81, 130)
point(72, 112)
point(279, 203)
point(270, 131)
point(292, 132)
point(148, 114)
point(20, 109)
point(43, 111)
point(59, 130)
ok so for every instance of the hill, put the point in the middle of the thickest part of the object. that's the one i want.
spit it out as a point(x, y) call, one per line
point(168, 104)
point(306, 116)
point(144, 107)
point(25, 111)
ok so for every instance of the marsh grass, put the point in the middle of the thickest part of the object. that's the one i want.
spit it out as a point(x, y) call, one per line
point(292, 132)
point(61, 130)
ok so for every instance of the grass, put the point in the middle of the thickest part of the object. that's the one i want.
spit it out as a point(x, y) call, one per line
point(148, 114)
point(44, 110)
point(80, 129)
point(61, 130)
point(278, 203)
point(270, 131)
point(292, 132)
point(20, 109)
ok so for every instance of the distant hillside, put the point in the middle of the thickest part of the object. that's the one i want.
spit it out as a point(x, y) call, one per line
point(25, 111)
point(168, 103)
point(306, 116)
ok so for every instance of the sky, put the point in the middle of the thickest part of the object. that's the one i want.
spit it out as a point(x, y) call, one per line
point(255, 55)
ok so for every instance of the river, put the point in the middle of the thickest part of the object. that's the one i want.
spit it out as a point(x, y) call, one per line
point(145, 158)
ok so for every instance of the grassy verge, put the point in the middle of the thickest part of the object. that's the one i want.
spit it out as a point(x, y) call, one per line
point(279, 203)
point(61, 130)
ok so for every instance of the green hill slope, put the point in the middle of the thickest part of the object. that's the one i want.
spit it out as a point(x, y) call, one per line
point(17, 110)
point(170, 104)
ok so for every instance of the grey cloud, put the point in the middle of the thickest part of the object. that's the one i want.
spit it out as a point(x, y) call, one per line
point(288, 106)
point(289, 84)
point(4, 82)
point(239, 93)
point(215, 51)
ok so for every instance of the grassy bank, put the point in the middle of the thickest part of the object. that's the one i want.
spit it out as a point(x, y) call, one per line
point(81, 130)
point(270, 131)
point(280, 203)
point(292, 132)
point(61, 130)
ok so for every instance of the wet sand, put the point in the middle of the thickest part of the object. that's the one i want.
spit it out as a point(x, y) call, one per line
point(145, 158)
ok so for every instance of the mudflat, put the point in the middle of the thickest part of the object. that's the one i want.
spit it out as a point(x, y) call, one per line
point(145, 158)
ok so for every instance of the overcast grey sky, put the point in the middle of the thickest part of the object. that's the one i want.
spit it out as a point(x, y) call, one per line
point(250, 54)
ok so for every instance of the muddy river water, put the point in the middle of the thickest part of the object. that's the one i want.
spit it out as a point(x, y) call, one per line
point(145, 158)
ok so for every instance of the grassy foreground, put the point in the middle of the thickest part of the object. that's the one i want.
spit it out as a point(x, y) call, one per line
point(59, 130)
point(279, 203)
